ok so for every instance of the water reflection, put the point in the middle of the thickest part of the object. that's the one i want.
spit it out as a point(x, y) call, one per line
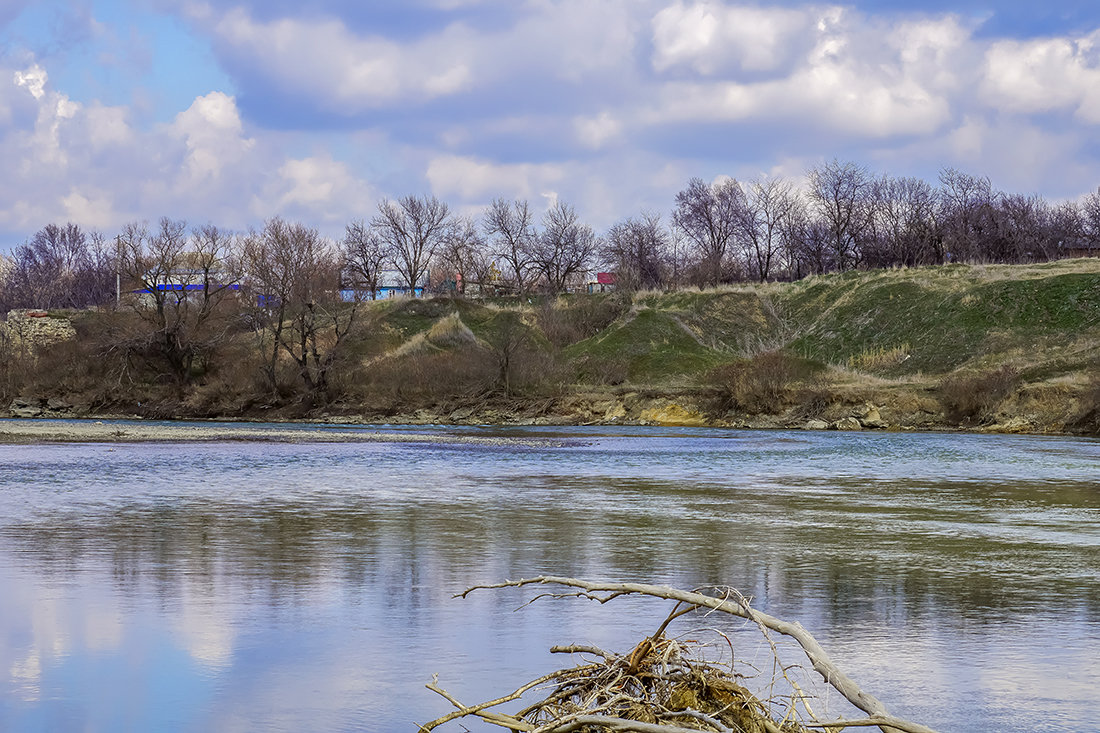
point(290, 587)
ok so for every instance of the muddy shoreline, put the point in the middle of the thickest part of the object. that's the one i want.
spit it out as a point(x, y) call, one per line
point(130, 430)
point(364, 429)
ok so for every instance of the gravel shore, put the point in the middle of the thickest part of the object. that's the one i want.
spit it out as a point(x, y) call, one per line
point(26, 432)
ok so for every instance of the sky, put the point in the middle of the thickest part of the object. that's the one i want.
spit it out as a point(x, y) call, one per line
point(114, 111)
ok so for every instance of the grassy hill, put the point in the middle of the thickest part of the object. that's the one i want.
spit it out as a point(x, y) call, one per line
point(982, 347)
point(1020, 343)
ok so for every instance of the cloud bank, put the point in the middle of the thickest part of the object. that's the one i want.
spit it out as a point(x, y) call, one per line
point(610, 105)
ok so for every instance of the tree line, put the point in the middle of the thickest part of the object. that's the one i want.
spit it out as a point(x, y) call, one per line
point(283, 303)
point(842, 217)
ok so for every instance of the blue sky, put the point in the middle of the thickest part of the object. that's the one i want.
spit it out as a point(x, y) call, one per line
point(115, 111)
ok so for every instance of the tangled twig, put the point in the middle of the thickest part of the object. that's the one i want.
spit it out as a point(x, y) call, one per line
point(666, 685)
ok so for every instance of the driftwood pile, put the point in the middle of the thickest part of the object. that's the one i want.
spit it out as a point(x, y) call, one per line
point(667, 685)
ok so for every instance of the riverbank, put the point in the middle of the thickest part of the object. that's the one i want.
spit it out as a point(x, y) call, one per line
point(1012, 349)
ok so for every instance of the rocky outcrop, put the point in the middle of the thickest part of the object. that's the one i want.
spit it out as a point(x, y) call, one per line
point(29, 407)
point(846, 423)
point(672, 414)
point(871, 418)
point(1016, 425)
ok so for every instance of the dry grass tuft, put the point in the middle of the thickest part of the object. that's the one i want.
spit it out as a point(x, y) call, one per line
point(880, 357)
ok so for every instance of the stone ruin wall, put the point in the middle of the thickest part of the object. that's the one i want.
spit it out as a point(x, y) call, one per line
point(22, 332)
point(25, 329)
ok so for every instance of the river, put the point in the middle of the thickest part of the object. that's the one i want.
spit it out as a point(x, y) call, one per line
point(291, 587)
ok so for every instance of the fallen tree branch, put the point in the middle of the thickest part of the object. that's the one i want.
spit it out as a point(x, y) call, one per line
point(603, 592)
point(584, 649)
point(505, 721)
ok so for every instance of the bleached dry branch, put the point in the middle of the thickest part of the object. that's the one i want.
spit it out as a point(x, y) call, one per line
point(599, 693)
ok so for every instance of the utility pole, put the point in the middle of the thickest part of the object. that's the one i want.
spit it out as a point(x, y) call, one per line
point(118, 271)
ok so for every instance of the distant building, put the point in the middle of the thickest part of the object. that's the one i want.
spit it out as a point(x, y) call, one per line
point(604, 282)
point(390, 285)
point(187, 276)
point(1083, 249)
point(181, 287)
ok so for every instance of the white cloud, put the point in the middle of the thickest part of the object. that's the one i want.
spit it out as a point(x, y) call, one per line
point(324, 59)
point(347, 72)
point(603, 189)
point(89, 164)
point(610, 105)
point(711, 36)
point(471, 178)
point(107, 126)
point(682, 34)
point(212, 130)
point(1045, 75)
point(595, 132)
point(93, 208)
point(852, 78)
point(937, 51)
point(320, 190)
point(1017, 154)
point(33, 80)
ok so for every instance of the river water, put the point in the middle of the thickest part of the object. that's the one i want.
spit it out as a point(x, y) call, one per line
point(294, 587)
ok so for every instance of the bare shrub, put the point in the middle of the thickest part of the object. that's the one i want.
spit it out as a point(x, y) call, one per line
point(232, 384)
point(566, 321)
point(813, 399)
point(975, 397)
point(762, 384)
point(430, 378)
point(538, 373)
point(1088, 414)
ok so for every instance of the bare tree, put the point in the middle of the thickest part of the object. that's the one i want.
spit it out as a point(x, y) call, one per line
point(463, 256)
point(511, 231)
point(679, 258)
point(60, 267)
point(805, 242)
point(1022, 233)
point(564, 248)
point(507, 339)
point(365, 255)
point(1090, 218)
point(710, 216)
point(966, 215)
point(294, 280)
point(903, 223)
point(177, 284)
point(840, 194)
point(1066, 229)
point(768, 207)
point(638, 249)
point(412, 228)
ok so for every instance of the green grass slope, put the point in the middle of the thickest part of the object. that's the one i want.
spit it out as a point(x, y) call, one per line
point(1044, 317)
point(1042, 320)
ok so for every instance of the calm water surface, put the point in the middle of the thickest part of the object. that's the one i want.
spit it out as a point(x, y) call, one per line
point(258, 586)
